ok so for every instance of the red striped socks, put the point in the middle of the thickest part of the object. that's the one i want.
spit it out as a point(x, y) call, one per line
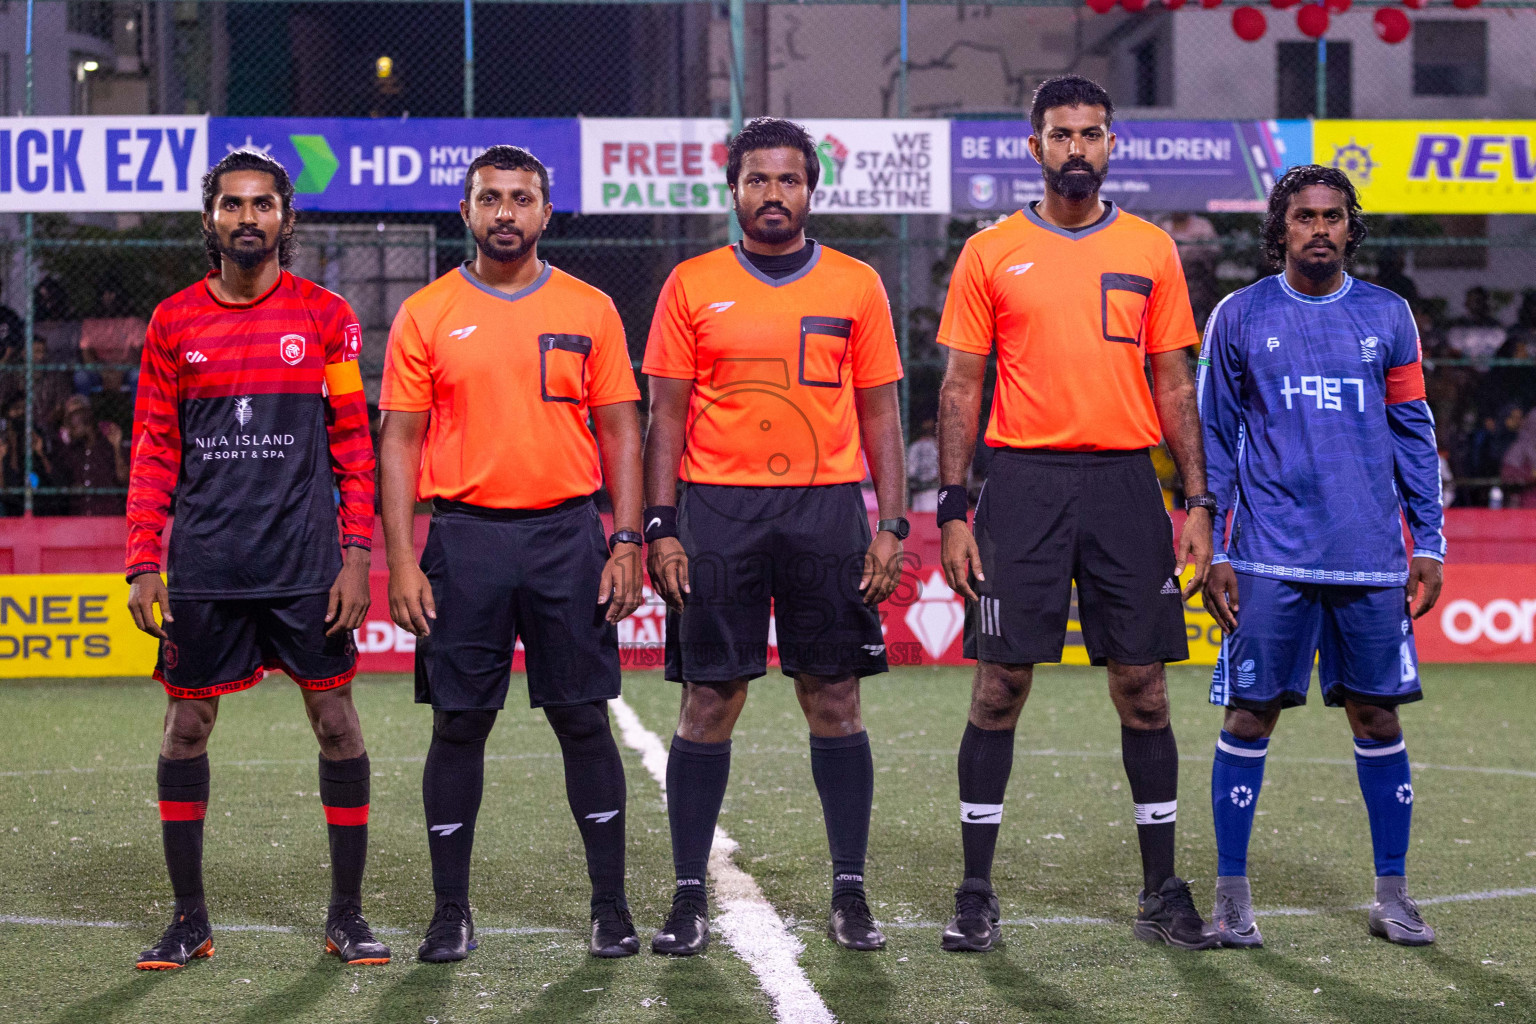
point(344, 793)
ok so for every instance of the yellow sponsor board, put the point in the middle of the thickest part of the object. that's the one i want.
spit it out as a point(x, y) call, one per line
point(70, 625)
point(1434, 166)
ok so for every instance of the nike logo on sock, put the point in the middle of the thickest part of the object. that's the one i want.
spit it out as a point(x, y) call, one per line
point(1157, 814)
point(1160, 817)
point(446, 830)
point(602, 817)
point(975, 813)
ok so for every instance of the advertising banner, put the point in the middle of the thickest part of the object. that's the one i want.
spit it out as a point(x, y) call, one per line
point(64, 624)
point(1434, 166)
point(96, 164)
point(677, 165)
point(1485, 613)
point(1157, 166)
point(387, 165)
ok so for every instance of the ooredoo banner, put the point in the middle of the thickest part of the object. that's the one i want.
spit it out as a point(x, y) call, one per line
point(1485, 613)
point(677, 165)
point(93, 164)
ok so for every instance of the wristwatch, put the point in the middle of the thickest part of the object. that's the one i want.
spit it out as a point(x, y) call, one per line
point(899, 526)
point(624, 537)
point(1206, 501)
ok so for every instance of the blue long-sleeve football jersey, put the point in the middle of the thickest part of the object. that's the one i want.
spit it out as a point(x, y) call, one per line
point(1317, 432)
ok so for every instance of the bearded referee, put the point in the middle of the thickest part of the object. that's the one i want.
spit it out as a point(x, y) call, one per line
point(492, 373)
point(1076, 296)
point(772, 363)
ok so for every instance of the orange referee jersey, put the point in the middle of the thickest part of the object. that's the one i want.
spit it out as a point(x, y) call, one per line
point(1073, 315)
point(773, 364)
point(508, 380)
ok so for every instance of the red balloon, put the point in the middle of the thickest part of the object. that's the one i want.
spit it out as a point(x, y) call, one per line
point(1134, 6)
point(1417, 5)
point(1281, 5)
point(1464, 4)
point(1173, 5)
point(1102, 6)
point(1337, 6)
point(1248, 23)
point(1209, 4)
point(1392, 25)
point(1312, 20)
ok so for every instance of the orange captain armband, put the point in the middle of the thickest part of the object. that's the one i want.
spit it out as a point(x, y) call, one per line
point(345, 378)
point(1404, 383)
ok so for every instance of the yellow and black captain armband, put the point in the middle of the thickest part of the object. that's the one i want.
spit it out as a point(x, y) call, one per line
point(343, 378)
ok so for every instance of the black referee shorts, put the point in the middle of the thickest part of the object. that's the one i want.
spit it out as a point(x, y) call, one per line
point(501, 574)
point(800, 550)
point(1048, 518)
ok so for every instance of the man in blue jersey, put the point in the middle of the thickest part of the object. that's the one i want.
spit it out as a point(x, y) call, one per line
point(1316, 434)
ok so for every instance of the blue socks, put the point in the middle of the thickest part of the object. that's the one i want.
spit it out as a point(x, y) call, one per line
point(1385, 782)
point(1237, 775)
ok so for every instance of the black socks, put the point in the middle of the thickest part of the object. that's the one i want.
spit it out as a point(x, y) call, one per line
point(183, 786)
point(986, 760)
point(451, 786)
point(344, 795)
point(594, 786)
point(1152, 765)
point(844, 770)
point(696, 778)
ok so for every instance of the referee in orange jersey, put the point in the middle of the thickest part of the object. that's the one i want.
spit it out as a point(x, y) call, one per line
point(773, 369)
point(492, 372)
point(1076, 296)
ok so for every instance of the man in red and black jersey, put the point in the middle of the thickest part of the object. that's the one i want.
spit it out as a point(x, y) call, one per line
point(250, 409)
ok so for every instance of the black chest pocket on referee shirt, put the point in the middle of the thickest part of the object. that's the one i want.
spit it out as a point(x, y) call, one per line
point(1123, 302)
point(562, 366)
point(823, 348)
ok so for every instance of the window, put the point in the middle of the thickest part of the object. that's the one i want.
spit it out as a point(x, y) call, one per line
point(1145, 58)
point(91, 18)
point(1296, 86)
point(1450, 58)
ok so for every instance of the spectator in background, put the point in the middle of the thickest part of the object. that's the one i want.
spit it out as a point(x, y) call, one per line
point(1390, 275)
point(1199, 251)
point(1486, 447)
point(10, 472)
point(1478, 334)
point(1518, 467)
point(49, 301)
point(113, 337)
point(923, 468)
point(112, 399)
point(91, 454)
point(49, 388)
point(12, 332)
point(1447, 480)
point(14, 427)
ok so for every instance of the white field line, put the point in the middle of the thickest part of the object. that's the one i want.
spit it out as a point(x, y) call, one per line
point(1030, 922)
point(747, 921)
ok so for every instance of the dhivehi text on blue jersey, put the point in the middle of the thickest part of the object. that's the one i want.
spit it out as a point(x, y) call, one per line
point(1302, 444)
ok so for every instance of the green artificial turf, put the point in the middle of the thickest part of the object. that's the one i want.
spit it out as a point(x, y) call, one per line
point(79, 842)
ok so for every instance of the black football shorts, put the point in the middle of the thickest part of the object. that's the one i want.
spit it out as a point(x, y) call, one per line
point(1048, 518)
point(498, 575)
point(223, 646)
point(798, 550)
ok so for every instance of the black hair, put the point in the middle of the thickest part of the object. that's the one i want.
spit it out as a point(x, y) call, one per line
point(251, 160)
point(773, 133)
point(507, 158)
point(1069, 91)
point(1296, 179)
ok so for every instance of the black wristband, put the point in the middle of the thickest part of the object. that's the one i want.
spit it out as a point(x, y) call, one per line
point(660, 522)
point(953, 504)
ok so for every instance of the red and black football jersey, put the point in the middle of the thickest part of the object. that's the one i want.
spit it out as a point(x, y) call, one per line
point(253, 416)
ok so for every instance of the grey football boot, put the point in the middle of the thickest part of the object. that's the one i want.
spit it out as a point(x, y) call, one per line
point(1395, 917)
point(1232, 919)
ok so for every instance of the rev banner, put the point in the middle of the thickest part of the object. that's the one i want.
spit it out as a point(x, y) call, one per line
point(1434, 166)
point(677, 165)
point(102, 164)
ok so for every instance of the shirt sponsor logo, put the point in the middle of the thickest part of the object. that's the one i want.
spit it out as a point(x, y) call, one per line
point(1019, 269)
point(1272, 344)
point(196, 357)
point(721, 307)
point(291, 348)
point(242, 411)
point(463, 332)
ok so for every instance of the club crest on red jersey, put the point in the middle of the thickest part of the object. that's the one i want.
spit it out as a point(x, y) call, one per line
point(291, 348)
point(354, 338)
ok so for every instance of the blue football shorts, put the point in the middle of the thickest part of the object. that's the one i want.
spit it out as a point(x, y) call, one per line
point(1361, 637)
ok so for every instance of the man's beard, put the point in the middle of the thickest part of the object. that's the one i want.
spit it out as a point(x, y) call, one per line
point(1317, 270)
point(503, 253)
point(1075, 187)
point(771, 236)
point(245, 259)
